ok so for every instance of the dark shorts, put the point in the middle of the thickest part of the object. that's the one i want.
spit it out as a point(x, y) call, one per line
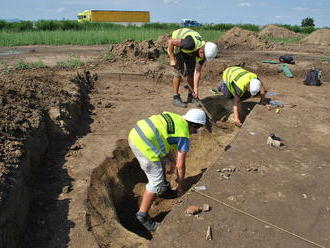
point(185, 65)
point(224, 89)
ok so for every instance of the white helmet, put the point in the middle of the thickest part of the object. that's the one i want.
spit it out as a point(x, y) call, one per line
point(210, 50)
point(255, 85)
point(196, 116)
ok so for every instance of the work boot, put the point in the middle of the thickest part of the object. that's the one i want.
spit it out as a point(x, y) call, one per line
point(150, 224)
point(178, 102)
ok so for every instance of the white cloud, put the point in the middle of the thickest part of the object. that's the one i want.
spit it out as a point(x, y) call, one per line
point(244, 4)
point(280, 17)
point(304, 9)
point(300, 9)
point(170, 1)
point(61, 9)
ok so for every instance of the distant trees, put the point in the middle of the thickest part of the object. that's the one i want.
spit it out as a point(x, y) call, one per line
point(307, 22)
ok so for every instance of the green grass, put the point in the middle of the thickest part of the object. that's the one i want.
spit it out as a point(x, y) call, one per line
point(66, 32)
point(284, 40)
point(23, 65)
point(324, 60)
point(107, 56)
point(4, 67)
point(72, 62)
point(97, 37)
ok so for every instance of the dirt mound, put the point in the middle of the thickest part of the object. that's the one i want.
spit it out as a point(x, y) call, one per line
point(318, 37)
point(132, 49)
point(242, 39)
point(277, 32)
point(161, 42)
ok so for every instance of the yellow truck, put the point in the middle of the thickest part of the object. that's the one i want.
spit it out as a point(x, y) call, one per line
point(115, 16)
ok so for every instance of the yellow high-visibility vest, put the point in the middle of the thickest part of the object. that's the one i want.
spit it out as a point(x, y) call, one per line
point(150, 135)
point(182, 33)
point(240, 77)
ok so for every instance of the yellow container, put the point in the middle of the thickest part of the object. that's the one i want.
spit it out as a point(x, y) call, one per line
point(122, 17)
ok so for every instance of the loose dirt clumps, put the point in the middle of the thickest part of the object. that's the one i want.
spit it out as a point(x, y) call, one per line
point(318, 37)
point(277, 32)
point(130, 49)
point(237, 38)
point(161, 42)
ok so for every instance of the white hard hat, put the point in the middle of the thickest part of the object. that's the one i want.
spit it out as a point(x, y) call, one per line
point(196, 116)
point(210, 50)
point(255, 85)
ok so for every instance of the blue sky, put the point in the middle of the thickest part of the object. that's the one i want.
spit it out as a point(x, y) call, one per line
point(259, 12)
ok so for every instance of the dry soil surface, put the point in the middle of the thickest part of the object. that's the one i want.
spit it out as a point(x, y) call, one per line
point(86, 184)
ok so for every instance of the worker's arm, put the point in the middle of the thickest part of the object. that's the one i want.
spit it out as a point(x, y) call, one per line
point(263, 95)
point(170, 50)
point(197, 77)
point(181, 170)
point(237, 111)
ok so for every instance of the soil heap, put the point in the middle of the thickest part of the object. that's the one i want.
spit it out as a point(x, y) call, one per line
point(241, 39)
point(161, 42)
point(277, 32)
point(318, 37)
point(130, 49)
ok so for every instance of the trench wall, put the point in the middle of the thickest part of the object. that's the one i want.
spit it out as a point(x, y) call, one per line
point(57, 123)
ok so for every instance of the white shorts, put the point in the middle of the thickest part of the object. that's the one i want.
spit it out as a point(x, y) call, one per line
point(153, 170)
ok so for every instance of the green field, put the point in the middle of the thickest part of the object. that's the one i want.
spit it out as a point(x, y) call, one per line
point(74, 33)
point(90, 37)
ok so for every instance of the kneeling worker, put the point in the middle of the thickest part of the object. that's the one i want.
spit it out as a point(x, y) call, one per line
point(187, 53)
point(151, 141)
point(240, 84)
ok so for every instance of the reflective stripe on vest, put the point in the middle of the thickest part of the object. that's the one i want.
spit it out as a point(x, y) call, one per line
point(183, 33)
point(148, 142)
point(240, 77)
point(159, 139)
point(150, 136)
point(228, 73)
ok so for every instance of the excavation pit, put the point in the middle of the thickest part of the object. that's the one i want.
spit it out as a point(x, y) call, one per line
point(118, 183)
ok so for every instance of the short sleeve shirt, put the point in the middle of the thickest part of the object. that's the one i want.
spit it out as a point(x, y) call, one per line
point(182, 143)
point(188, 43)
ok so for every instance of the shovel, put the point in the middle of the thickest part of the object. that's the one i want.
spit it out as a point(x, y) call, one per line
point(200, 103)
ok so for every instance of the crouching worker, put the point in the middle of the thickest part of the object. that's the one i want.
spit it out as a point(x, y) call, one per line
point(239, 84)
point(151, 141)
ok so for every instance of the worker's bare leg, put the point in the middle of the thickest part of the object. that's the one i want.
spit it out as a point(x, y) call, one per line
point(176, 85)
point(147, 201)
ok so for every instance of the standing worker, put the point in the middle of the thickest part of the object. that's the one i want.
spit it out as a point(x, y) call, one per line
point(186, 48)
point(240, 84)
point(151, 141)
